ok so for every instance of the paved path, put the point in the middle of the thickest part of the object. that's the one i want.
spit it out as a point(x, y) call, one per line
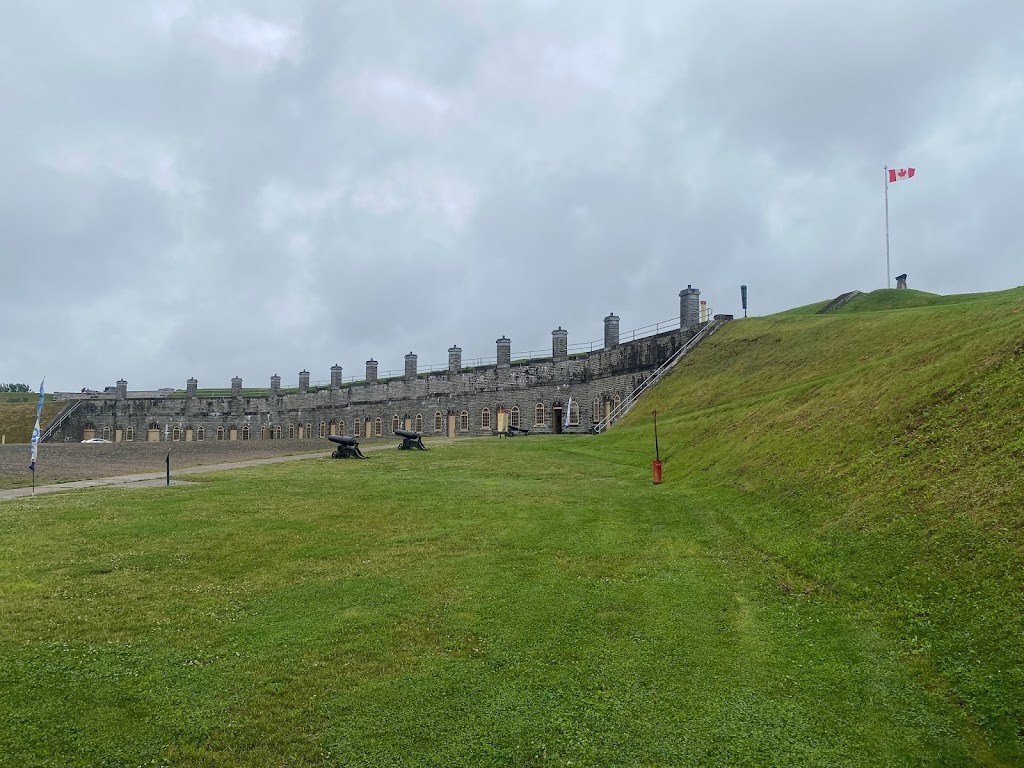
point(157, 478)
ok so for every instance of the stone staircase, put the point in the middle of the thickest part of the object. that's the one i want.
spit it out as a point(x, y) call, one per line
point(837, 302)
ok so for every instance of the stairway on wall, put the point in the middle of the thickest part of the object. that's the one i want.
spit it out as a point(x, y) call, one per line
point(658, 375)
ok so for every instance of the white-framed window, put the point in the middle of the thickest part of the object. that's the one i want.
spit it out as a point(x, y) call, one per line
point(309, 431)
point(291, 431)
point(538, 414)
point(378, 426)
point(323, 429)
point(616, 402)
point(396, 423)
point(419, 422)
point(596, 416)
point(485, 418)
point(341, 426)
point(220, 433)
point(464, 421)
point(245, 432)
point(201, 433)
point(574, 414)
point(438, 421)
point(129, 434)
point(106, 433)
point(277, 432)
point(513, 416)
point(176, 434)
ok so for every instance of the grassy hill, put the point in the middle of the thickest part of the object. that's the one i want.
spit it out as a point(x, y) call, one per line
point(875, 454)
point(18, 414)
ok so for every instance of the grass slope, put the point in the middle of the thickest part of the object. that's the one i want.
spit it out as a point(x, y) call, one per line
point(18, 414)
point(491, 603)
point(886, 446)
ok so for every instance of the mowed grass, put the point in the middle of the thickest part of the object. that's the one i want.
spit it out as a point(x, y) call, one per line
point(492, 603)
point(884, 447)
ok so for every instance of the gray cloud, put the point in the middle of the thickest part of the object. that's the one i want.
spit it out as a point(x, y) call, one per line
point(220, 189)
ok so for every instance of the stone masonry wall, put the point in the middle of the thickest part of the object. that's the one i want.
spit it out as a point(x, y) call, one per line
point(602, 376)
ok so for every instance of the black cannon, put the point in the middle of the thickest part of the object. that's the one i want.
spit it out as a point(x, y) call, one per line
point(348, 447)
point(410, 440)
point(512, 431)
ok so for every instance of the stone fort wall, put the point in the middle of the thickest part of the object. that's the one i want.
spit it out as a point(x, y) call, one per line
point(534, 394)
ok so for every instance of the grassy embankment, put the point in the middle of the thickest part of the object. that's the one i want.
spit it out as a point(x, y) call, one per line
point(886, 444)
point(18, 414)
point(829, 576)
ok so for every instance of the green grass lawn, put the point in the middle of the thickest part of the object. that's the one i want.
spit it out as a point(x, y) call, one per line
point(520, 602)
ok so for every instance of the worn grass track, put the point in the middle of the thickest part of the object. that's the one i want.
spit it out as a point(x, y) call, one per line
point(488, 603)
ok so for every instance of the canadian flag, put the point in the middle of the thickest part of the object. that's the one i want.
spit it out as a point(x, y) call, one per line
point(895, 174)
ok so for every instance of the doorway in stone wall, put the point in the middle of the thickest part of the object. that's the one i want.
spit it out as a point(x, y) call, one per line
point(556, 419)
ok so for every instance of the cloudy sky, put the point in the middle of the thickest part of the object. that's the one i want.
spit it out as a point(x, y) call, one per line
point(217, 188)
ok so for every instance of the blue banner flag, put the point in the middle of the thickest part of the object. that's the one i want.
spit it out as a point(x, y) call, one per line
point(35, 431)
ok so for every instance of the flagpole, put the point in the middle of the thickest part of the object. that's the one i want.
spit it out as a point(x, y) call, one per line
point(888, 271)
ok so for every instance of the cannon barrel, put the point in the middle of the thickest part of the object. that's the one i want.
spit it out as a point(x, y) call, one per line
point(408, 433)
point(343, 440)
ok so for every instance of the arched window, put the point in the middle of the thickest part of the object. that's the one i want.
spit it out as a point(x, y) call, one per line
point(419, 422)
point(309, 431)
point(106, 433)
point(485, 418)
point(291, 431)
point(378, 426)
point(176, 434)
point(396, 424)
point(201, 433)
point(574, 414)
point(129, 434)
point(513, 416)
point(538, 414)
point(357, 427)
point(264, 433)
point(245, 432)
point(438, 421)
point(596, 416)
point(616, 401)
point(464, 421)
point(323, 429)
point(220, 433)
point(341, 426)
point(277, 432)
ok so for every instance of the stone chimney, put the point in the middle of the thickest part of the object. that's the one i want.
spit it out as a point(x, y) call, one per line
point(336, 372)
point(371, 371)
point(689, 308)
point(122, 389)
point(303, 381)
point(454, 359)
point(410, 366)
point(236, 387)
point(901, 282)
point(504, 352)
point(191, 386)
point(559, 345)
point(275, 385)
point(611, 331)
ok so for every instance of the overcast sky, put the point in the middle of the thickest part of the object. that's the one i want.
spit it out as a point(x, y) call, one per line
point(214, 189)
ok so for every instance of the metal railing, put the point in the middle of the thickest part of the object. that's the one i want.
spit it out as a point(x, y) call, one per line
point(623, 408)
point(59, 419)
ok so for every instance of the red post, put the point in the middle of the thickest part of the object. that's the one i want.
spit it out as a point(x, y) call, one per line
point(656, 464)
